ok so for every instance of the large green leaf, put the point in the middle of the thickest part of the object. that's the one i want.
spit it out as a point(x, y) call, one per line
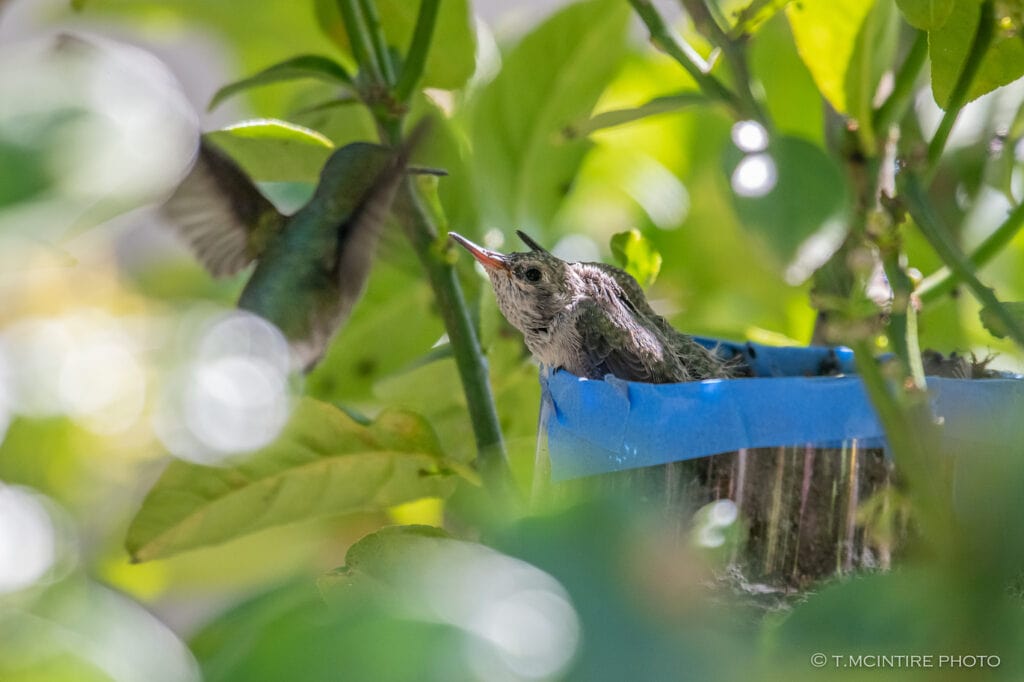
point(926, 15)
point(847, 45)
point(323, 463)
point(551, 79)
point(949, 45)
point(791, 96)
point(303, 66)
point(788, 195)
point(275, 151)
point(452, 57)
point(395, 307)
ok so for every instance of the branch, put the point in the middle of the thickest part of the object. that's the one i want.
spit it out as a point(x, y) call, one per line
point(469, 358)
point(957, 99)
point(943, 280)
point(912, 437)
point(734, 54)
point(416, 59)
point(377, 40)
point(674, 47)
point(358, 38)
point(950, 254)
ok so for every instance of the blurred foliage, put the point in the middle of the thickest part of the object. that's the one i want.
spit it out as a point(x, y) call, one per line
point(568, 128)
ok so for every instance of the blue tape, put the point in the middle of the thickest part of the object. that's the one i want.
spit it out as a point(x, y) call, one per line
point(596, 427)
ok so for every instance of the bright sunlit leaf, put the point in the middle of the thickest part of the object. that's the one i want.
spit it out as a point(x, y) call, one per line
point(637, 256)
point(274, 151)
point(847, 45)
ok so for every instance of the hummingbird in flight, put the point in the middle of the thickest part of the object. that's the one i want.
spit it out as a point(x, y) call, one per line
point(312, 266)
point(591, 319)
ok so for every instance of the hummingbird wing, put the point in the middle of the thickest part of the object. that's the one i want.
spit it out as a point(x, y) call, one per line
point(611, 344)
point(220, 213)
point(623, 336)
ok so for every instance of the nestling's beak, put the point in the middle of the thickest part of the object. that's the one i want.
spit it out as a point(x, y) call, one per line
point(492, 260)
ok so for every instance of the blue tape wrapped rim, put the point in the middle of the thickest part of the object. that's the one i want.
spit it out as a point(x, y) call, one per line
point(797, 396)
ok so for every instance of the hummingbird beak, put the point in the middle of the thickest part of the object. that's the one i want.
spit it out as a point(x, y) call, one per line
point(491, 260)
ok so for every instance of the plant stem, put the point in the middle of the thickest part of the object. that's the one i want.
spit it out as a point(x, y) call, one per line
point(673, 46)
point(377, 40)
point(734, 54)
point(911, 434)
point(943, 280)
point(420, 229)
point(957, 99)
point(469, 357)
point(358, 38)
point(935, 233)
point(416, 58)
point(895, 104)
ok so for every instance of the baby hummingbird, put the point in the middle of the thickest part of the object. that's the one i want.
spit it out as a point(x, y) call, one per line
point(591, 319)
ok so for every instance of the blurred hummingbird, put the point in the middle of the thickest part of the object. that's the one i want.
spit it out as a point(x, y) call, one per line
point(591, 319)
point(311, 266)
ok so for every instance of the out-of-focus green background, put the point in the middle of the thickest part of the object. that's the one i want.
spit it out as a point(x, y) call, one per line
point(106, 324)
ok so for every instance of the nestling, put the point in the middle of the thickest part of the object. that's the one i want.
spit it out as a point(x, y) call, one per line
point(590, 319)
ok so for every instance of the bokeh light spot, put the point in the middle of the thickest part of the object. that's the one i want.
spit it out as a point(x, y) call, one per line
point(27, 539)
point(755, 176)
point(750, 136)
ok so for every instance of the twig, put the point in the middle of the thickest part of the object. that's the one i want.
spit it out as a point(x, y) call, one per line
point(943, 280)
point(668, 42)
point(950, 254)
point(358, 38)
point(377, 40)
point(734, 54)
point(416, 59)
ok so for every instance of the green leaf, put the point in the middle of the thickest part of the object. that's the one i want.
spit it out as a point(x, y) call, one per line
point(275, 151)
point(790, 94)
point(553, 77)
point(750, 19)
point(948, 48)
point(357, 359)
point(616, 117)
point(926, 15)
point(324, 463)
point(847, 45)
point(637, 256)
point(23, 173)
point(991, 320)
point(384, 554)
point(452, 58)
point(881, 613)
point(304, 66)
point(786, 196)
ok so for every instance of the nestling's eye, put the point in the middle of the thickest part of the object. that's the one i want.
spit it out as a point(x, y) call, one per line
point(533, 275)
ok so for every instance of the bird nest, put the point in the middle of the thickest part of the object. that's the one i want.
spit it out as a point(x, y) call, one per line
point(796, 396)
